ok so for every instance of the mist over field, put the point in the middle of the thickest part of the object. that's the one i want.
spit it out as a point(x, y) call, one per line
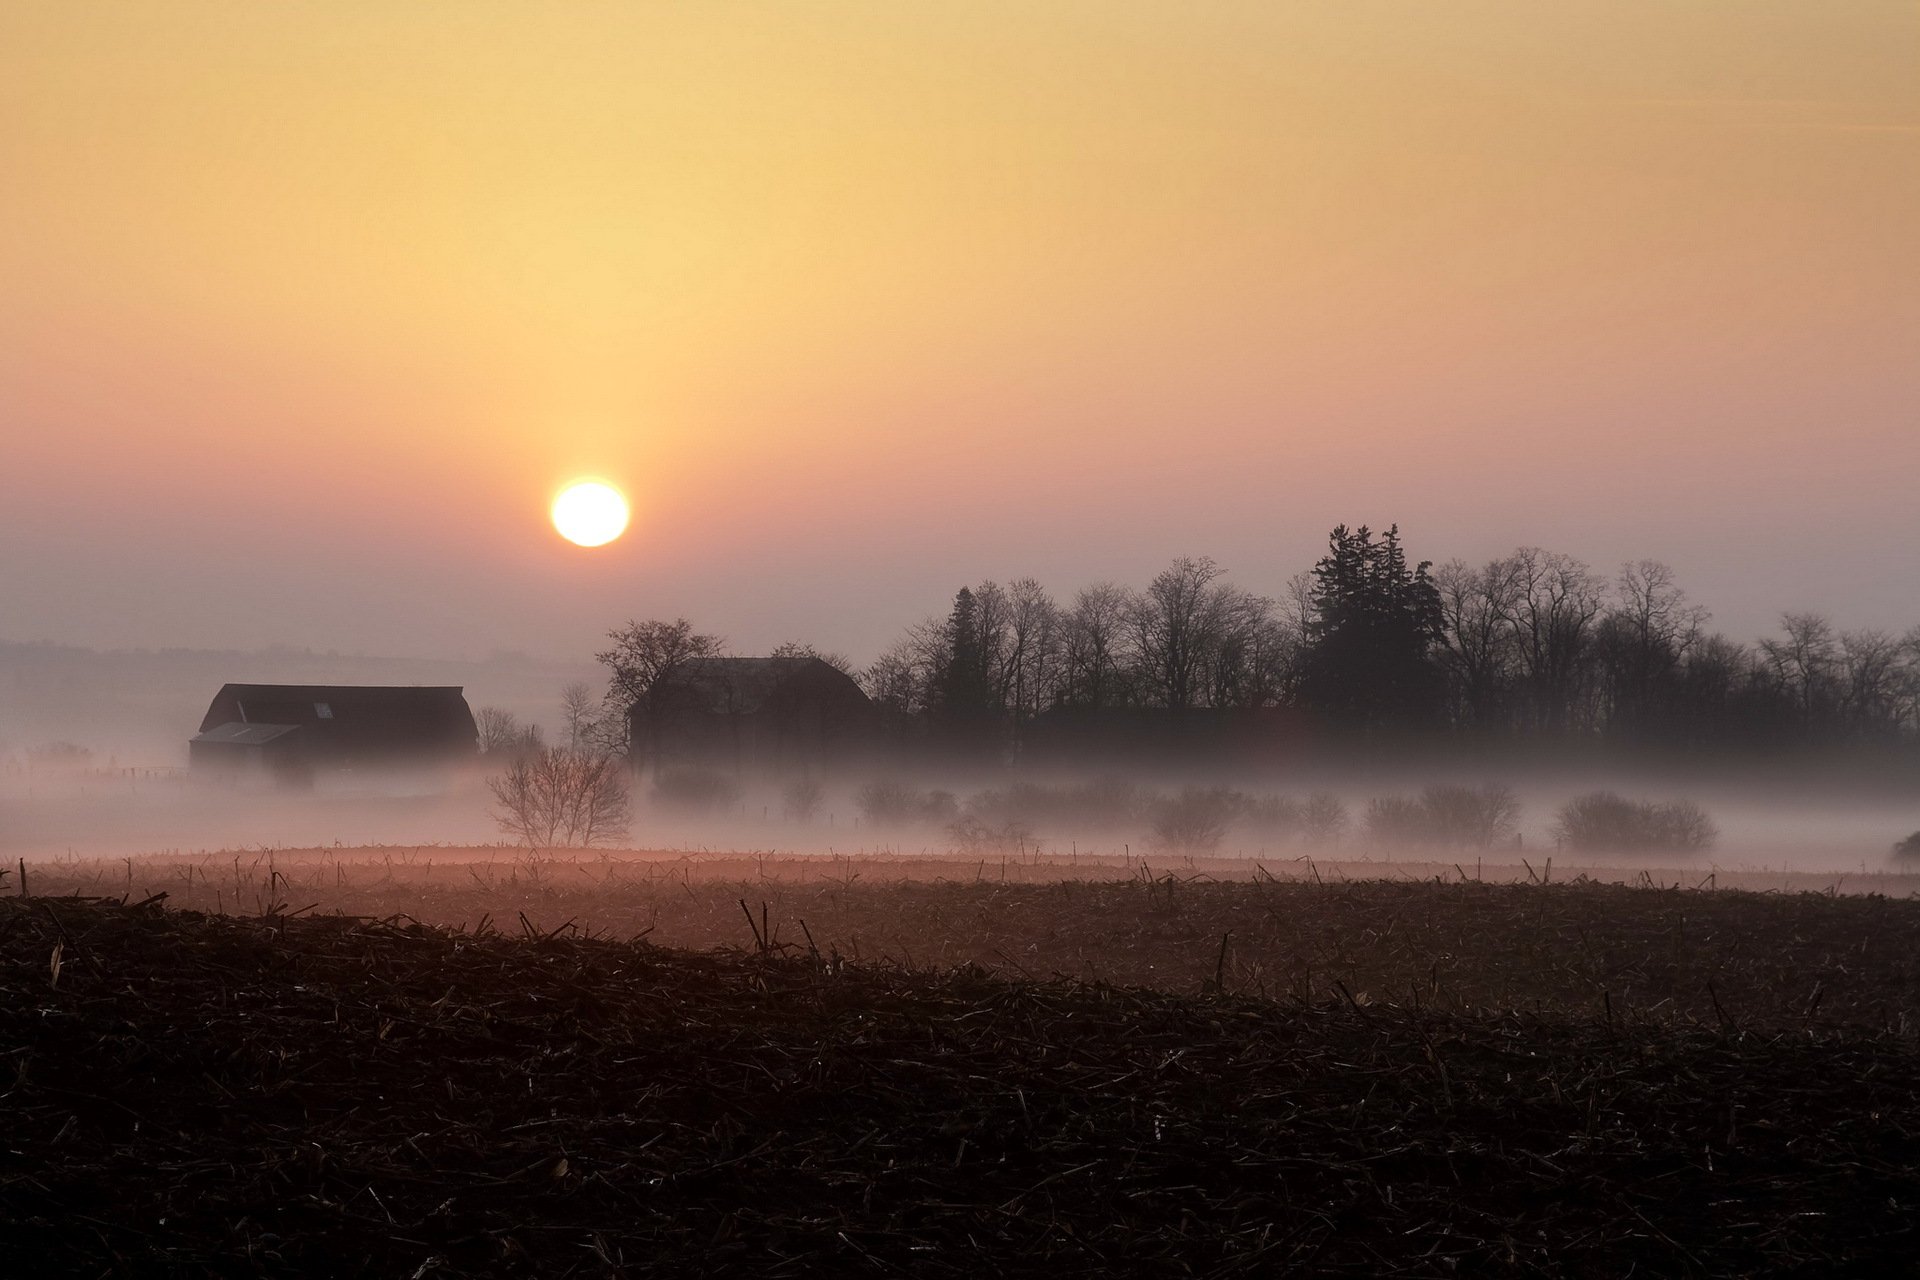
point(51, 811)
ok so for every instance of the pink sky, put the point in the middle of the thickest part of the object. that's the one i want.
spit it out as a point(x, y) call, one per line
point(306, 309)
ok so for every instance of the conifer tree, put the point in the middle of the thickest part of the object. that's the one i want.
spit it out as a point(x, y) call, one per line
point(1370, 663)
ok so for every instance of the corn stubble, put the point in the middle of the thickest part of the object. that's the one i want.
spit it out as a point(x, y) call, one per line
point(295, 1093)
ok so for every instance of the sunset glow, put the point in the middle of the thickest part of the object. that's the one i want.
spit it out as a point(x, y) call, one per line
point(1612, 277)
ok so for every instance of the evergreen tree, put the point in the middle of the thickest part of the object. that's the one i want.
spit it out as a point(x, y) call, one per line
point(963, 688)
point(1371, 660)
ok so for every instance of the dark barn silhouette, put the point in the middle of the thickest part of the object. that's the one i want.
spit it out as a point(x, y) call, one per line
point(293, 729)
point(768, 715)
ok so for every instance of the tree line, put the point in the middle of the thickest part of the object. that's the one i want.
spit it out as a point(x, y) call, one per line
point(1534, 647)
point(1531, 647)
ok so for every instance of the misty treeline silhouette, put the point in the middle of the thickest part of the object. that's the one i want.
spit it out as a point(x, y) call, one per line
point(1532, 648)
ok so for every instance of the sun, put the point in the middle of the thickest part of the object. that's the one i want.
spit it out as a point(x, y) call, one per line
point(590, 513)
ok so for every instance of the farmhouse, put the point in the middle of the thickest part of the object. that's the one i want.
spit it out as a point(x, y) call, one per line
point(292, 729)
point(773, 715)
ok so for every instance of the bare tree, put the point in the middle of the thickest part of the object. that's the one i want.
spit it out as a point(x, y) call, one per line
point(1031, 648)
point(1803, 662)
point(1476, 607)
point(902, 678)
point(801, 649)
point(1907, 687)
point(1175, 623)
point(992, 620)
point(1554, 604)
point(1641, 645)
point(502, 734)
point(643, 652)
point(577, 713)
point(1871, 682)
point(555, 797)
point(1094, 643)
point(1251, 659)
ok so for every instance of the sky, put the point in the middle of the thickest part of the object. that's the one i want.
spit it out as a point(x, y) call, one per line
point(306, 309)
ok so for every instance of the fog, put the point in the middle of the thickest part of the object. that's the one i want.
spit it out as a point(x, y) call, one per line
point(55, 811)
point(93, 749)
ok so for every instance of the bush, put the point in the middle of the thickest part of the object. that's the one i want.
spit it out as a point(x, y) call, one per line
point(1602, 820)
point(1472, 817)
point(58, 756)
point(802, 799)
point(1908, 848)
point(897, 802)
point(1448, 817)
point(972, 836)
point(1196, 819)
point(695, 791)
point(1396, 820)
point(1277, 817)
point(1326, 818)
point(1092, 806)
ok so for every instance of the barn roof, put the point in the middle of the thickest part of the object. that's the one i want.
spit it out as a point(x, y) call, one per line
point(245, 735)
point(316, 704)
point(352, 722)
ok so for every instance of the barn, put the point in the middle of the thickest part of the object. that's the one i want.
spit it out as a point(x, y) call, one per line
point(765, 715)
point(291, 730)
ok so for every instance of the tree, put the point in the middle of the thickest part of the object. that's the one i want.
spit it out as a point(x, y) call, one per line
point(1871, 680)
point(642, 653)
point(1181, 624)
point(1094, 638)
point(963, 694)
point(1252, 660)
point(1554, 604)
point(501, 733)
point(557, 797)
point(1641, 645)
point(801, 649)
point(1803, 662)
point(904, 678)
point(1030, 656)
point(1370, 661)
point(577, 714)
point(1477, 642)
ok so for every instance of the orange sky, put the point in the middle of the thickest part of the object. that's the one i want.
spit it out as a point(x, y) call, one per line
point(306, 308)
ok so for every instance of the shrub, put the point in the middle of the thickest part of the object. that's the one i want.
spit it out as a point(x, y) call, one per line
point(802, 799)
point(1450, 817)
point(1396, 820)
point(1277, 817)
point(695, 791)
point(889, 801)
point(972, 836)
point(1326, 818)
point(1602, 820)
point(1472, 817)
point(1091, 806)
point(1196, 819)
point(59, 755)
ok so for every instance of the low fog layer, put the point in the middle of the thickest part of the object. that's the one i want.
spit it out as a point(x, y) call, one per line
point(91, 812)
point(92, 749)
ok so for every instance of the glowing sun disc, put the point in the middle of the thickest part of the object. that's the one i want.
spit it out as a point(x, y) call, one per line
point(590, 513)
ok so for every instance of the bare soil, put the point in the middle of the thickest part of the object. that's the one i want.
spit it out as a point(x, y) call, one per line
point(1412, 1078)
